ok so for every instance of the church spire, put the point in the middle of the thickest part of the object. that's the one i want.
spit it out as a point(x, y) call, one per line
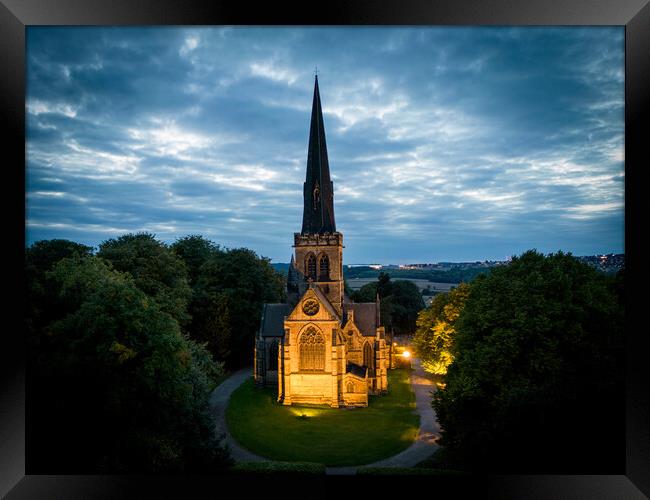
point(318, 211)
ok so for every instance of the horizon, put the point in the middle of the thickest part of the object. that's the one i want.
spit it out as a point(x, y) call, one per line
point(445, 144)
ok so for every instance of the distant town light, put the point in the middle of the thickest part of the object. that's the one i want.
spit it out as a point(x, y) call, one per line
point(406, 354)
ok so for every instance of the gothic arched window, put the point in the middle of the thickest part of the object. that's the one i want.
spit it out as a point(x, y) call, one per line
point(368, 359)
point(324, 268)
point(273, 355)
point(312, 350)
point(350, 387)
point(310, 267)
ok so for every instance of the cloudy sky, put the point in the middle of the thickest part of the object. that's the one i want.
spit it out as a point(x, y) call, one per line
point(445, 144)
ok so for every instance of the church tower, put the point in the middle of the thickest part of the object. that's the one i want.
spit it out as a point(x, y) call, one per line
point(318, 246)
point(317, 348)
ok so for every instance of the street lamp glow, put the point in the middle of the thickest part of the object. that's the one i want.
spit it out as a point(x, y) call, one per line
point(406, 354)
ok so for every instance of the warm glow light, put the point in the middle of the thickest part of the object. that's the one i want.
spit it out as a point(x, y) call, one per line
point(406, 354)
point(304, 413)
point(394, 343)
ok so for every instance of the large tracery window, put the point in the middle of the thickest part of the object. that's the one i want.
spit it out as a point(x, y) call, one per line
point(310, 267)
point(368, 359)
point(312, 350)
point(324, 268)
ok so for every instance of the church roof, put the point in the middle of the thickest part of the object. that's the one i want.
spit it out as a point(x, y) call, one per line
point(318, 190)
point(273, 320)
point(355, 369)
point(365, 317)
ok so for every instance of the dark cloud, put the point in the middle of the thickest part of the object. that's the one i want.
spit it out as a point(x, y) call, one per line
point(445, 143)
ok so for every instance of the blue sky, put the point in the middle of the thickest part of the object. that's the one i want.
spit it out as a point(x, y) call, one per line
point(445, 144)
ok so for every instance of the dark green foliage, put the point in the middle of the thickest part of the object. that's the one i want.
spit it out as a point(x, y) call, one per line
point(195, 250)
point(42, 255)
point(404, 303)
point(229, 288)
point(114, 385)
point(346, 289)
point(211, 322)
point(400, 302)
point(157, 270)
point(434, 337)
point(367, 293)
point(122, 386)
point(41, 306)
point(228, 296)
point(537, 380)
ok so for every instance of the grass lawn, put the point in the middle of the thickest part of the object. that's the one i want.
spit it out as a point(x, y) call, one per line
point(330, 436)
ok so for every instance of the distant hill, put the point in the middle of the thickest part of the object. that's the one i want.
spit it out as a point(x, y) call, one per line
point(457, 272)
point(281, 267)
point(454, 275)
point(450, 276)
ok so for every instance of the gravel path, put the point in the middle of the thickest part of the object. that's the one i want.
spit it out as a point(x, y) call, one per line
point(218, 402)
point(423, 447)
point(425, 443)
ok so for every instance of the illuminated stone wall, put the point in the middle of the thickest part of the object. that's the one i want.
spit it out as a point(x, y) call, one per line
point(301, 383)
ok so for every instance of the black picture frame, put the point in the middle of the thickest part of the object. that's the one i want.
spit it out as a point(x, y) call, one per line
point(15, 15)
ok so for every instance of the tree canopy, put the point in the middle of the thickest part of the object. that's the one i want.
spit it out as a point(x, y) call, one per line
point(400, 302)
point(436, 328)
point(195, 250)
point(114, 385)
point(536, 384)
point(156, 269)
point(229, 293)
point(126, 345)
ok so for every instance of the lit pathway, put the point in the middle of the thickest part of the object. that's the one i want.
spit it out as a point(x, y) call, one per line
point(422, 448)
point(219, 401)
point(425, 443)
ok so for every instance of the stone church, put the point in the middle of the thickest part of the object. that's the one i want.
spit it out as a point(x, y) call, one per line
point(320, 347)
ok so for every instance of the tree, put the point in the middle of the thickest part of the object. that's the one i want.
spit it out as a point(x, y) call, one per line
point(115, 386)
point(211, 322)
point(194, 250)
point(400, 302)
point(43, 254)
point(346, 289)
point(156, 269)
point(436, 328)
point(537, 370)
point(41, 257)
point(239, 282)
point(405, 301)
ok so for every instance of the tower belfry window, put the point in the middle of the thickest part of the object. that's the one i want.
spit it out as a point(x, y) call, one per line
point(324, 269)
point(310, 267)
